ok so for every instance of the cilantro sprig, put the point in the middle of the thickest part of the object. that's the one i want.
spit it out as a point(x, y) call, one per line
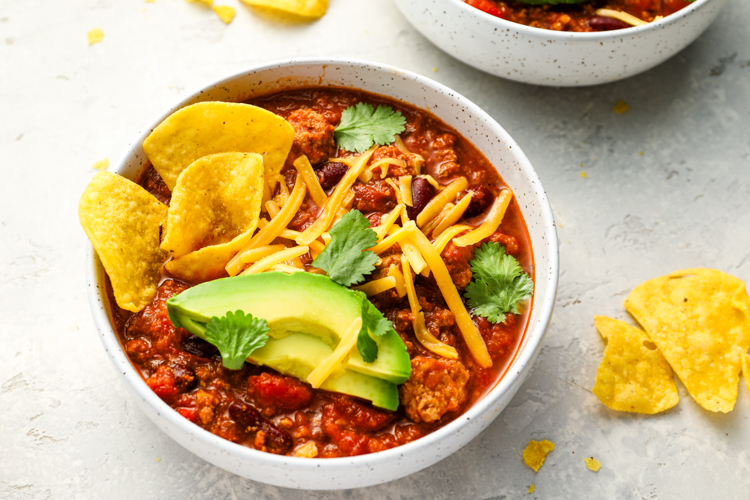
point(236, 335)
point(498, 284)
point(373, 324)
point(363, 125)
point(345, 259)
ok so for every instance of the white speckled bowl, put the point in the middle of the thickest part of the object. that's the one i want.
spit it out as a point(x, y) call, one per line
point(384, 466)
point(545, 57)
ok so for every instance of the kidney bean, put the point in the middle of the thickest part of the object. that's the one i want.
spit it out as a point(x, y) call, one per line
point(199, 347)
point(330, 174)
point(603, 23)
point(481, 197)
point(421, 193)
point(250, 420)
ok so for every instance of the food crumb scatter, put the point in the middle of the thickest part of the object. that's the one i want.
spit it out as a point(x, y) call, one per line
point(434, 70)
point(101, 164)
point(584, 174)
point(158, 459)
point(96, 35)
point(536, 452)
point(593, 464)
point(204, 2)
point(640, 153)
point(150, 1)
point(531, 489)
point(621, 107)
point(225, 13)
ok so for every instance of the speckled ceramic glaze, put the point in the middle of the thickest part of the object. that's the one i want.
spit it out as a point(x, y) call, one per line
point(384, 466)
point(545, 57)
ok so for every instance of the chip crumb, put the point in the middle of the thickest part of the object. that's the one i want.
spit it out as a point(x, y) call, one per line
point(158, 459)
point(434, 69)
point(746, 370)
point(225, 13)
point(531, 489)
point(641, 153)
point(208, 3)
point(536, 452)
point(621, 107)
point(101, 164)
point(593, 464)
point(96, 35)
point(584, 174)
point(150, 1)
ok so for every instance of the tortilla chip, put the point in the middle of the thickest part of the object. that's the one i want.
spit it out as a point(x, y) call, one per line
point(214, 210)
point(536, 452)
point(225, 13)
point(217, 127)
point(531, 489)
point(700, 321)
point(746, 371)
point(304, 8)
point(633, 375)
point(101, 164)
point(122, 220)
point(593, 464)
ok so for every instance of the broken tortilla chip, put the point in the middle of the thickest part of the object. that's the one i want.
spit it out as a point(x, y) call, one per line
point(122, 220)
point(700, 321)
point(217, 127)
point(593, 464)
point(303, 8)
point(633, 375)
point(536, 452)
point(96, 35)
point(746, 370)
point(213, 212)
point(225, 13)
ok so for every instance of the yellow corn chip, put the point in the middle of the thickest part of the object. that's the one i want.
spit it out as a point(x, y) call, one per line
point(122, 221)
point(101, 164)
point(531, 489)
point(593, 464)
point(204, 2)
point(214, 210)
point(96, 35)
point(217, 127)
point(225, 13)
point(304, 8)
point(536, 452)
point(746, 370)
point(700, 321)
point(633, 375)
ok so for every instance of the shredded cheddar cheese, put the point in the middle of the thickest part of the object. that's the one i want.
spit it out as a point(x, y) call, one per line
point(469, 331)
point(286, 268)
point(255, 254)
point(490, 225)
point(417, 159)
point(324, 220)
point(441, 199)
point(446, 236)
point(272, 208)
point(621, 16)
point(435, 222)
point(404, 183)
point(398, 234)
point(304, 168)
point(397, 275)
point(387, 221)
point(423, 335)
point(453, 216)
point(375, 287)
point(276, 258)
point(328, 365)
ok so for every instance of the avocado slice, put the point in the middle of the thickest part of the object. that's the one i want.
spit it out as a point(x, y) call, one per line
point(298, 303)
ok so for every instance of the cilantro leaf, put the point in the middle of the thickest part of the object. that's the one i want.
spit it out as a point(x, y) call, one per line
point(376, 324)
point(498, 284)
point(236, 335)
point(345, 259)
point(364, 125)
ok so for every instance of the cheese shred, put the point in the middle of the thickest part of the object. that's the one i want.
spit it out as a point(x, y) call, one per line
point(304, 168)
point(445, 196)
point(453, 216)
point(490, 225)
point(375, 287)
point(276, 258)
point(328, 365)
point(428, 340)
point(469, 331)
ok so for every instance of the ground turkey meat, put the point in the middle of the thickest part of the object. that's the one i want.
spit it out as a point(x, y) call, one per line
point(436, 387)
point(375, 196)
point(393, 170)
point(313, 135)
point(457, 260)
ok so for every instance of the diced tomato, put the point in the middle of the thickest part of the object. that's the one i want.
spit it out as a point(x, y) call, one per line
point(282, 392)
point(163, 383)
point(488, 7)
point(360, 415)
point(189, 413)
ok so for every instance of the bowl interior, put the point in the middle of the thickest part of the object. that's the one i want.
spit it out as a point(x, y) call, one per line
point(453, 109)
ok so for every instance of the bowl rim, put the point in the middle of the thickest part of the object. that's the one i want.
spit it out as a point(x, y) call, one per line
point(594, 36)
point(524, 356)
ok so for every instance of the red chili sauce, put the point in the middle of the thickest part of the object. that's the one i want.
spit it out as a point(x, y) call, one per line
point(259, 408)
point(578, 17)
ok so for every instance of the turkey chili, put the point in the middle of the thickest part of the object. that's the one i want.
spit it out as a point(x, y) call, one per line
point(441, 222)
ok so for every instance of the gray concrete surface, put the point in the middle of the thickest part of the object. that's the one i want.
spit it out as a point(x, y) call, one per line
point(668, 186)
